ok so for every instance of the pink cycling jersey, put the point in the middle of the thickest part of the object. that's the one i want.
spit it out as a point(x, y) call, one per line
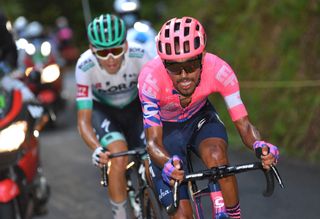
point(160, 100)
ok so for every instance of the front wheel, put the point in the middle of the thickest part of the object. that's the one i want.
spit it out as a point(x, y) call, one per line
point(150, 205)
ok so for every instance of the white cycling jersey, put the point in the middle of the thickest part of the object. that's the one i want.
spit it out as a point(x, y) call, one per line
point(116, 90)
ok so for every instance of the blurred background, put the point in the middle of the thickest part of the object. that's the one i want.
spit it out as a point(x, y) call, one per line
point(274, 48)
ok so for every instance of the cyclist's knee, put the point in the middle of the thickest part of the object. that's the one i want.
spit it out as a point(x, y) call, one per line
point(214, 152)
point(119, 164)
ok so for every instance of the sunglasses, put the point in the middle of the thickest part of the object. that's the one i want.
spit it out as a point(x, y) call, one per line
point(115, 52)
point(189, 66)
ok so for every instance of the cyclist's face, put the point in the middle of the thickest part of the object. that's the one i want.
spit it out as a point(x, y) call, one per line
point(185, 74)
point(112, 62)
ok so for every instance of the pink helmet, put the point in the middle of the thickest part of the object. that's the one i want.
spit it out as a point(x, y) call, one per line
point(181, 38)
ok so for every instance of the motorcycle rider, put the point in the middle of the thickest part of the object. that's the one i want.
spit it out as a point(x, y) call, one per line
point(8, 61)
point(109, 112)
point(139, 30)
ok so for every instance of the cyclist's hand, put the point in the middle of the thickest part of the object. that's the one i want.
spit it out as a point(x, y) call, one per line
point(268, 153)
point(172, 170)
point(100, 156)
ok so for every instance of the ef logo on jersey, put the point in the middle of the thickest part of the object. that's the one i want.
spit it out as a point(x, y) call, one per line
point(82, 90)
point(226, 76)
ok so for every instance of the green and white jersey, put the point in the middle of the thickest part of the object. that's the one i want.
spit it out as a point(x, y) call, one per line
point(116, 90)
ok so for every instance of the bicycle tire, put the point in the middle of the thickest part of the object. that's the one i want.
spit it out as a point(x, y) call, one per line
point(150, 205)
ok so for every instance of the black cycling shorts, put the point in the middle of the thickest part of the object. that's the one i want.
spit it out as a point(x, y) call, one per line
point(112, 124)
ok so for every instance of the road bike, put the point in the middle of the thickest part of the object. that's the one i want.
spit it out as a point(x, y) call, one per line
point(141, 196)
point(213, 189)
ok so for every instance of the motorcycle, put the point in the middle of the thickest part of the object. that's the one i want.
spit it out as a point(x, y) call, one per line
point(43, 76)
point(24, 190)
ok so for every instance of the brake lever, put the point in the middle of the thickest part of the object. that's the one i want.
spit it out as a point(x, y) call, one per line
point(277, 175)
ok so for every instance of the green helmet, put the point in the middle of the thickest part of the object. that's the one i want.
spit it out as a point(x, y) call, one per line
point(107, 31)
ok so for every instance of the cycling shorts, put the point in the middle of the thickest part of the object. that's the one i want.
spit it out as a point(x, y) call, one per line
point(112, 124)
point(177, 136)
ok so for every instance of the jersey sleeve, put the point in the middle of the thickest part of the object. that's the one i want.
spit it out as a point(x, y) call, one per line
point(228, 86)
point(149, 92)
point(83, 83)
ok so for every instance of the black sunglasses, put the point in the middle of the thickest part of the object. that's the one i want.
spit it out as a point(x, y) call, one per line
point(189, 66)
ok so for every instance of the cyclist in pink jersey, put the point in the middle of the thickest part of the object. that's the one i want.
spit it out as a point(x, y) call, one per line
point(174, 90)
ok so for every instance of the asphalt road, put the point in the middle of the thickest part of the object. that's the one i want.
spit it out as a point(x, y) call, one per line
point(76, 193)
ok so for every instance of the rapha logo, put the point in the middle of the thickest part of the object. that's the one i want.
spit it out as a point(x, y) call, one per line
point(201, 122)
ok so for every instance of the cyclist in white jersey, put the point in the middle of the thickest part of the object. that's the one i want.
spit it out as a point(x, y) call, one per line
point(109, 112)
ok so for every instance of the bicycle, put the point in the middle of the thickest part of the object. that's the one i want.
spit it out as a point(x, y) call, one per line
point(141, 196)
point(213, 188)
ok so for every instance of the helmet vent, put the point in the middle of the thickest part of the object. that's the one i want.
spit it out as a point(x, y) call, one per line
point(176, 45)
point(166, 33)
point(168, 48)
point(186, 31)
point(176, 26)
point(197, 27)
point(186, 47)
point(188, 20)
point(159, 46)
point(196, 42)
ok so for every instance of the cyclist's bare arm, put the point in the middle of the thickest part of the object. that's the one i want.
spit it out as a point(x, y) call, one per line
point(85, 128)
point(157, 152)
point(155, 147)
point(249, 134)
point(87, 133)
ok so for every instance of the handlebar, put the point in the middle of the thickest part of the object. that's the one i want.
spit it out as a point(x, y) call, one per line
point(138, 151)
point(224, 171)
point(104, 169)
